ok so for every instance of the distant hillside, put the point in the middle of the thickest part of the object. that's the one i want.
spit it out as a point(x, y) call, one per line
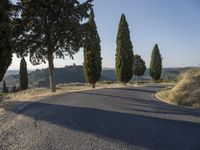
point(71, 74)
point(68, 74)
point(12, 72)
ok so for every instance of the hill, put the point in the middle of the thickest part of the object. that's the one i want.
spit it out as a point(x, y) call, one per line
point(68, 74)
point(72, 74)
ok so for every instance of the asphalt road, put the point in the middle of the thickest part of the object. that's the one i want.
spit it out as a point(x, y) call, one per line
point(107, 119)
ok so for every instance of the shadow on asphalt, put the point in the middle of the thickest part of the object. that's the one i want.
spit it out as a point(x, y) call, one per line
point(161, 107)
point(138, 90)
point(143, 131)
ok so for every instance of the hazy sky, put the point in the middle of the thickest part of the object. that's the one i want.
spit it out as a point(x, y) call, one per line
point(173, 24)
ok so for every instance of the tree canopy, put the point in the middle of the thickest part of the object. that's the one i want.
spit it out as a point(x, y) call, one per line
point(124, 52)
point(49, 29)
point(156, 63)
point(5, 43)
point(92, 53)
point(139, 66)
point(23, 74)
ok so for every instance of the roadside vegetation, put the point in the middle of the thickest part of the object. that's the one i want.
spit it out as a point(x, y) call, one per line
point(36, 93)
point(186, 92)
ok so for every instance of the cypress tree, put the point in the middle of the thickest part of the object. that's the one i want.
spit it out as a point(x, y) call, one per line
point(156, 64)
point(139, 66)
point(5, 89)
point(92, 53)
point(124, 53)
point(23, 74)
point(5, 45)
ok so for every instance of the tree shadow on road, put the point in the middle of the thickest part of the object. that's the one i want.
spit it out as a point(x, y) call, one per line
point(143, 131)
point(138, 90)
point(155, 105)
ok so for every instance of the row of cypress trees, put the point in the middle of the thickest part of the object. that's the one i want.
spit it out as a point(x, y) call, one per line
point(126, 63)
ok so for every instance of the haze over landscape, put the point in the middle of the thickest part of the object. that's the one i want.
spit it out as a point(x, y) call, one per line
point(174, 25)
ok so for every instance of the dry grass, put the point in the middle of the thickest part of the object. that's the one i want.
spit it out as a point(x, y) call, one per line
point(187, 90)
point(39, 93)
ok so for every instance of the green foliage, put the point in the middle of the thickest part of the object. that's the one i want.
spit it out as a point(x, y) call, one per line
point(139, 66)
point(5, 89)
point(23, 74)
point(124, 52)
point(156, 64)
point(92, 53)
point(51, 29)
point(5, 45)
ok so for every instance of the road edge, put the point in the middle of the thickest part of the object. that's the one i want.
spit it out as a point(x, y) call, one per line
point(156, 98)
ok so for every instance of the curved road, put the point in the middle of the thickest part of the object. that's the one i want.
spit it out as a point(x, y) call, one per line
point(107, 119)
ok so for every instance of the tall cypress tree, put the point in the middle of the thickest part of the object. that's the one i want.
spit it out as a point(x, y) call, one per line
point(92, 53)
point(156, 64)
point(124, 53)
point(5, 46)
point(23, 74)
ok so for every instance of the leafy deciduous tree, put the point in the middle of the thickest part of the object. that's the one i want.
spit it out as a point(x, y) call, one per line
point(51, 29)
point(5, 44)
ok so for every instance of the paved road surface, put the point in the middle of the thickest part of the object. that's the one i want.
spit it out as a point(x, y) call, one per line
point(107, 119)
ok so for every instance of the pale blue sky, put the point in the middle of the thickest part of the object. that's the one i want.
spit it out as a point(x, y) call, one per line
point(173, 24)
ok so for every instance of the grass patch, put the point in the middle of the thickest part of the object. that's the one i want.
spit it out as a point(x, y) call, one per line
point(186, 92)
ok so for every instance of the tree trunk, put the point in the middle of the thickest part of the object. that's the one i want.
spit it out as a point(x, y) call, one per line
point(51, 73)
point(93, 85)
point(124, 83)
